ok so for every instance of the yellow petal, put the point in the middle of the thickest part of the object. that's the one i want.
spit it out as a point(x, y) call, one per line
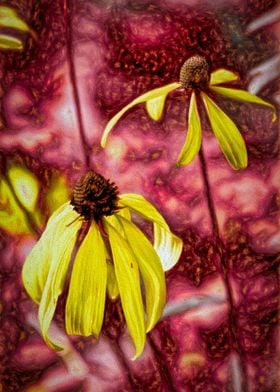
point(66, 207)
point(139, 204)
point(244, 96)
point(125, 213)
point(230, 139)
point(10, 19)
point(151, 272)
point(167, 245)
point(193, 141)
point(127, 274)
point(25, 185)
point(64, 229)
point(222, 76)
point(8, 42)
point(143, 98)
point(36, 267)
point(86, 298)
point(155, 107)
point(112, 285)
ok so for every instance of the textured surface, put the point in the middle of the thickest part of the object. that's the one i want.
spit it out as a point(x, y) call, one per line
point(91, 59)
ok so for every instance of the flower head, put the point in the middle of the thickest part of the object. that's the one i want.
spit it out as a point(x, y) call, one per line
point(195, 77)
point(112, 256)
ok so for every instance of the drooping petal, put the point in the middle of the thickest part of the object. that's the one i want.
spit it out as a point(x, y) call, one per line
point(125, 213)
point(9, 42)
point(63, 240)
point(37, 265)
point(139, 204)
point(151, 271)
point(87, 290)
point(155, 107)
point(193, 141)
point(150, 95)
point(244, 96)
point(10, 19)
point(230, 139)
point(112, 285)
point(167, 245)
point(127, 274)
point(222, 76)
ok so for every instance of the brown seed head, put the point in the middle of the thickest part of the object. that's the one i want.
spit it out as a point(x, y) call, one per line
point(94, 196)
point(194, 73)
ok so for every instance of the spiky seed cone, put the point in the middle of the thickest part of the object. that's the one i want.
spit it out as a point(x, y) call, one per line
point(94, 196)
point(194, 72)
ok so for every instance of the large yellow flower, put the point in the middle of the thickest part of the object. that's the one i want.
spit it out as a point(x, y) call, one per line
point(195, 76)
point(112, 256)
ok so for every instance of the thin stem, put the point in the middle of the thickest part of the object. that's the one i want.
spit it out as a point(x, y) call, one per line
point(219, 243)
point(164, 372)
point(73, 78)
point(120, 355)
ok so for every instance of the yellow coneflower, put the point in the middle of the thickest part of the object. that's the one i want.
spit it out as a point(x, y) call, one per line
point(112, 257)
point(195, 76)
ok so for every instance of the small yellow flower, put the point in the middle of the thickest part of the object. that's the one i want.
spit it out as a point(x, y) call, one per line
point(114, 253)
point(195, 76)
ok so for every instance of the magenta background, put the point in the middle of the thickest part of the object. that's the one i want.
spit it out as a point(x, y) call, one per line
point(93, 58)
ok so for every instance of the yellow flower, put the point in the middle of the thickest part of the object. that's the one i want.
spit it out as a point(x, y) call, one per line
point(112, 256)
point(195, 76)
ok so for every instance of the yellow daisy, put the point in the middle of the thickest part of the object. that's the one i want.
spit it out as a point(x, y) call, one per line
point(113, 256)
point(195, 76)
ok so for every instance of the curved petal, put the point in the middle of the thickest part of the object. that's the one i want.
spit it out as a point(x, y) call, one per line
point(87, 291)
point(244, 96)
point(193, 141)
point(142, 206)
point(10, 19)
point(167, 245)
point(151, 272)
point(9, 42)
point(112, 285)
point(230, 139)
point(124, 212)
point(37, 265)
point(155, 107)
point(62, 244)
point(222, 76)
point(143, 98)
point(127, 274)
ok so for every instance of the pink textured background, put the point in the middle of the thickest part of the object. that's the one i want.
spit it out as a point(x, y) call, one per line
point(91, 59)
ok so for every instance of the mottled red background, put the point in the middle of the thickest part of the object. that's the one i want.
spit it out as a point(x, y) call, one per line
point(91, 58)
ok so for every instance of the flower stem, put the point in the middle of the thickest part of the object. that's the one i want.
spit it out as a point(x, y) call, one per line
point(164, 372)
point(120, 355)
point(224, 268)
point(68, 9)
